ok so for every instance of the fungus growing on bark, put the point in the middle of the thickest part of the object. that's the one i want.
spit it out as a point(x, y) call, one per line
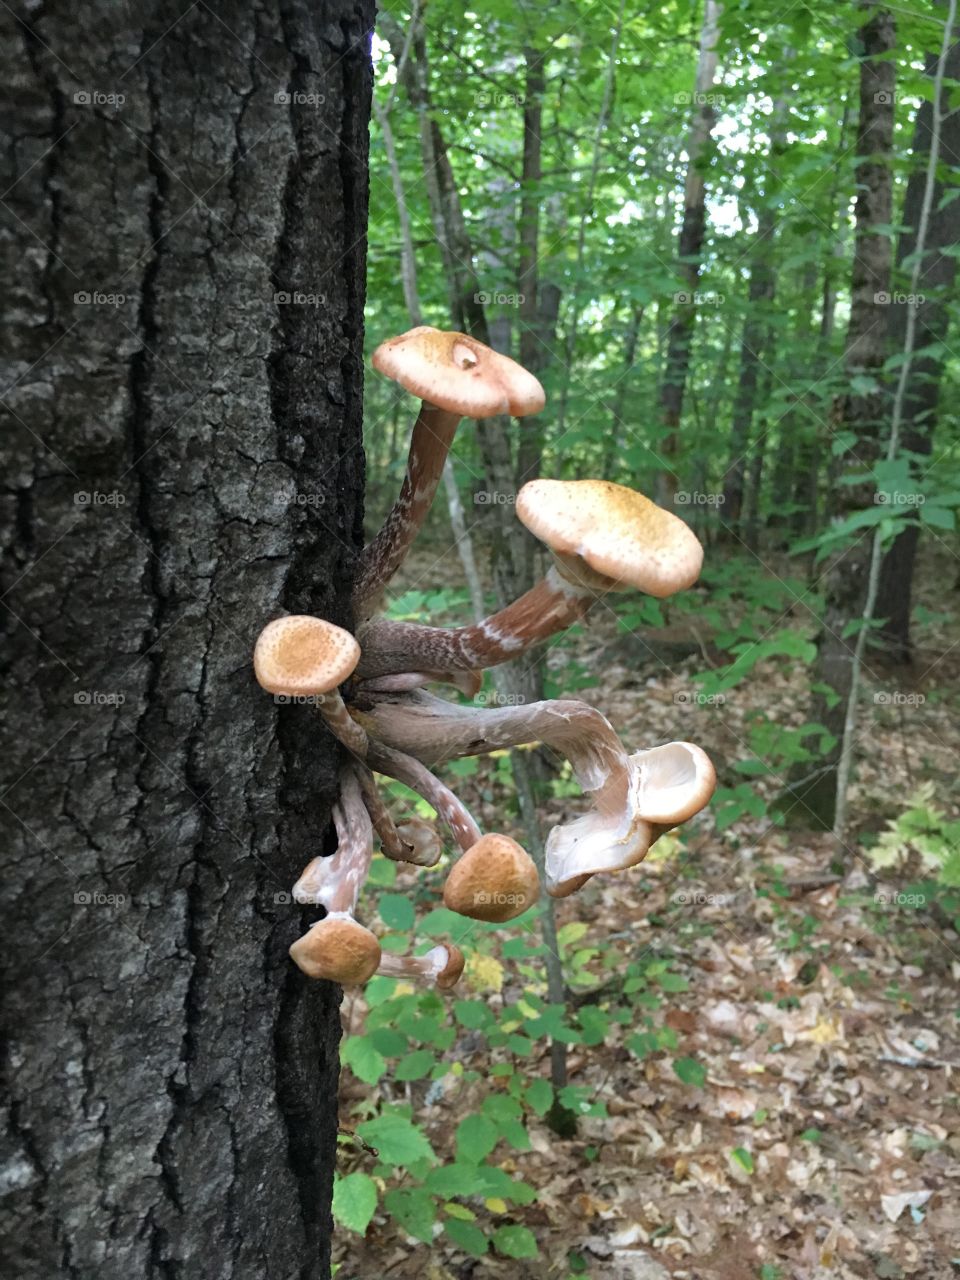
point(300, 656)
point(455, 377)
point(337, 947)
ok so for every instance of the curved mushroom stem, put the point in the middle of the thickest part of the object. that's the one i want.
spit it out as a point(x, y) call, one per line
point(430, 443)
point(340, 723)
point(432, 730)
point(391, 647)
point(442, 965)
point(335, 882)
point(415, 775)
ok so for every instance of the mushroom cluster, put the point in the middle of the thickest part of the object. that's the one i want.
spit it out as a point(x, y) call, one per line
point(602, 537)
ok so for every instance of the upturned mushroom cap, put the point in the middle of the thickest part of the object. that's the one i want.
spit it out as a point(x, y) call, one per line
point(338, 949)
point(459, 374)
point(676, 781)
point(302, 656)
point(494, 881)
point(614, 531)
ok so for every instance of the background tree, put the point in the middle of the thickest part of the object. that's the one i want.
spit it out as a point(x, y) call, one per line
point(185, 199)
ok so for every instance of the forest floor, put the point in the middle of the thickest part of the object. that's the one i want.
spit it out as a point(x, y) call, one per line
point(824, 1009)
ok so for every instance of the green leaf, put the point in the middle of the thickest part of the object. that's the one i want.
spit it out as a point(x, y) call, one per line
point(415, 1210)
point(476, 1138)
point(539, 1096)
point(672, 982)
point(354, 1201)
point(415, 1065)
point(742, 1157)
point(472, 1014)
point(467, 1236)
point(364, 1060)
point(515, 1242)
point(396, 1139)
point(396, 911)
point(691, 1072)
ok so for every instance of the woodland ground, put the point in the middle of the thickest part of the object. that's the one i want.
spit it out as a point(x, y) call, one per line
point(827, 1021)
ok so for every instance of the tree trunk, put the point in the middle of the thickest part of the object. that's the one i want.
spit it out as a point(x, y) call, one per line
point(680, 333)
point(183, 462)
point(926, 372)
point(860, 411)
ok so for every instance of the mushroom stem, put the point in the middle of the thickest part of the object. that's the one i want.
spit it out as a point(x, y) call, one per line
point(391, 647)
point(390, 840)
point(433, 731)
point(415, 775)
point(430, 443)
point(336, 882)
point(442, 965)
point(341, 724)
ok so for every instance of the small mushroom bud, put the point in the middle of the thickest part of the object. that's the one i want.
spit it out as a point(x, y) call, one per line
point(494, 881)
point(442, 965)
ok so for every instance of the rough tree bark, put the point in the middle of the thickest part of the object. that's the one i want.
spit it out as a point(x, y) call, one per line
point(861, 411)
point(182, 462)
point(926, 372)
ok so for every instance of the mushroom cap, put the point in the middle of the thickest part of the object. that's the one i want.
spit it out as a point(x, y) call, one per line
point(338, 949)
point(423, 841)
point(302, 656)
point(449, 976)
point(616, 532)
point(495, 880)
point(459, 374)
point(676, 781)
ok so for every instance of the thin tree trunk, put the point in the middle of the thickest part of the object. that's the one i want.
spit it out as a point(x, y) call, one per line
point(860, 411)
point(679, 337)
point(932, 321)
point(615, 437)
point(172, 1098)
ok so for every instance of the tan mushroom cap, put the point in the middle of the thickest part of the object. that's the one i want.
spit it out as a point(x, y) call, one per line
point(338, 949)
point(301, 656)
point(459, 374)
point(616, 532)
point(495, 880)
